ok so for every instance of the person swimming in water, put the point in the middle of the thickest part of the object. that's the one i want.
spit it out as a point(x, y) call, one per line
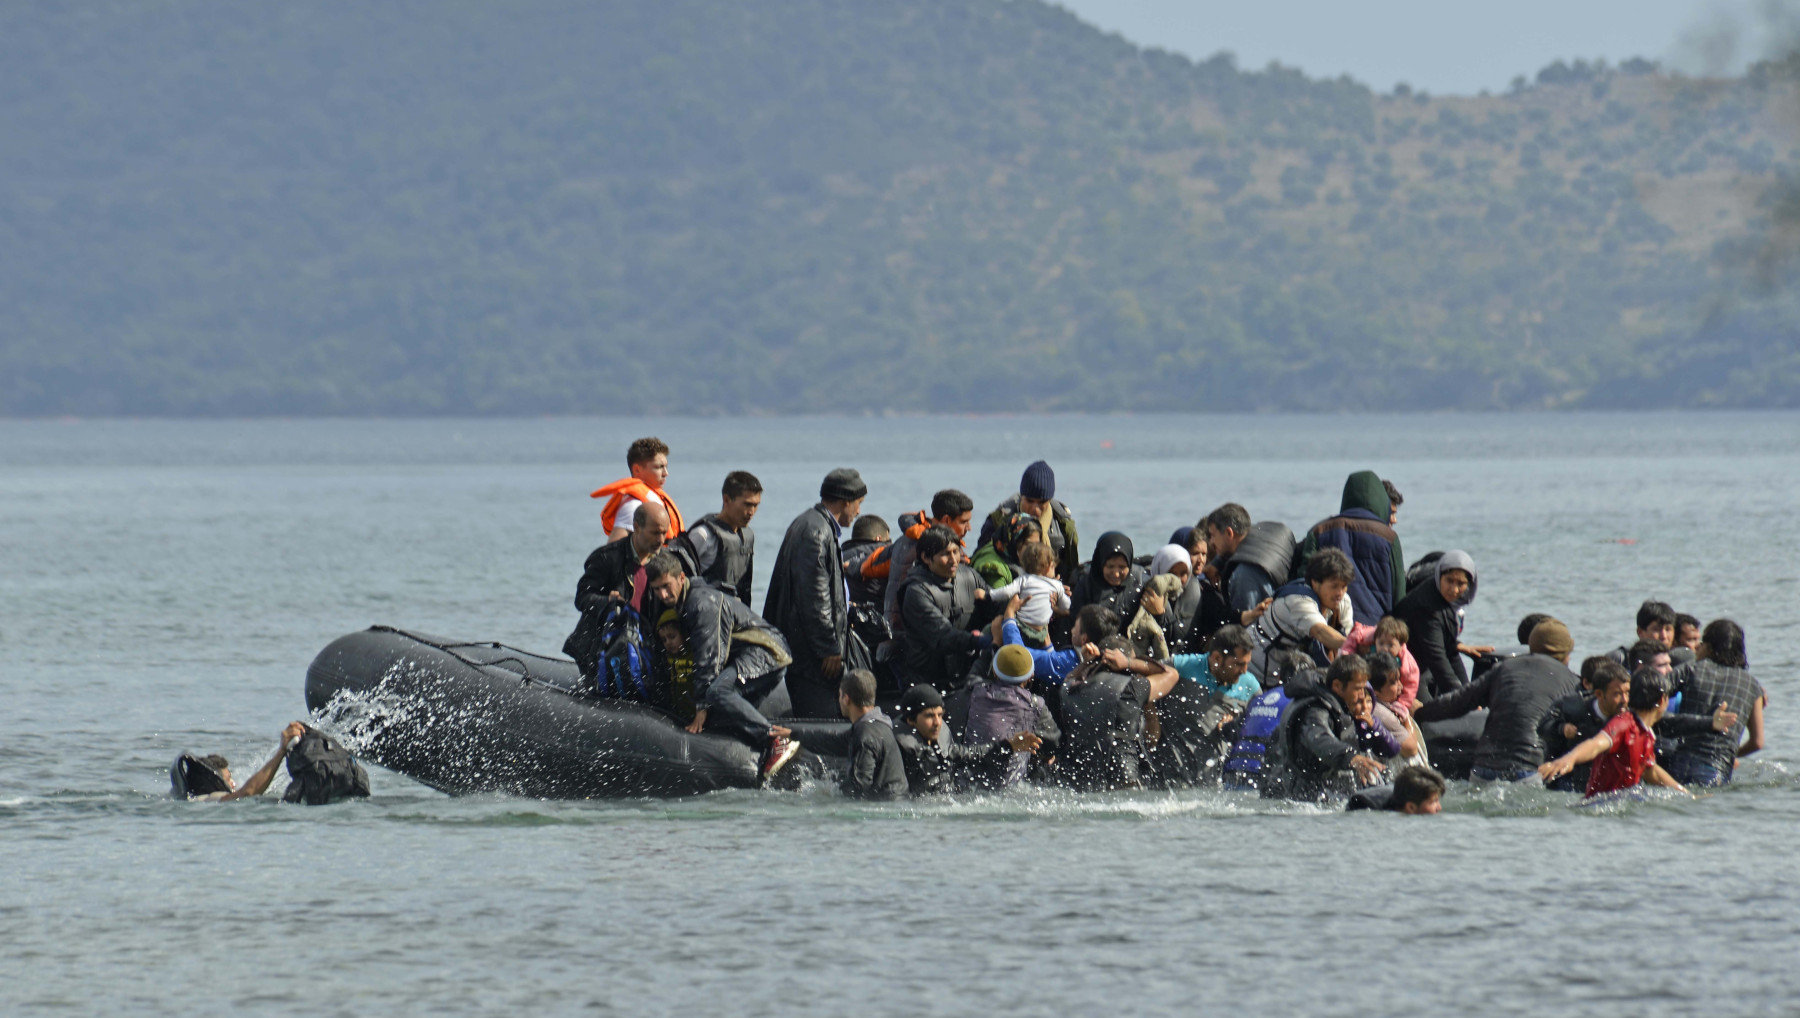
point(198, 779)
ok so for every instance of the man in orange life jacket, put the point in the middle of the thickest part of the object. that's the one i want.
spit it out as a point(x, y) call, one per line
point(648, 459)
point(949, 508)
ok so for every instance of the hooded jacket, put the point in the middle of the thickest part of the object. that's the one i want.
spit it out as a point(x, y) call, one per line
point(1360, 530)
point(1091, 586)
point(1309, 755)
point(1435, 625)
point(937, 642)
point(1518, 693)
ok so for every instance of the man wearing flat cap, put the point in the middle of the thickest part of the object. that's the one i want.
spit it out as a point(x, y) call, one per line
point(1518, 692)
point(807, 599)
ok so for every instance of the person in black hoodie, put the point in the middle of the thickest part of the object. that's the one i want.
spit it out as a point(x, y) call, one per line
point(1112, 577)
point(876, 770)
point(1361, 531)
point(932, 759)
point(1433, 613)
point(1313, 756)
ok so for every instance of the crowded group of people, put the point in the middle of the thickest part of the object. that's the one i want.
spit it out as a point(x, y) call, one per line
point(1237, 653)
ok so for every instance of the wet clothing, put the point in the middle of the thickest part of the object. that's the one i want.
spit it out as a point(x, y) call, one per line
point(1248, 759)
point(1103, 728)
point(1582, 711)
point(1518, 693)
point(738, 657)
point(1049, 667)
point(997, 712)
point(876, 770)
point(809, 603)
point(1198, 667)
point(1196, 722)
point(609, 568)
point(1360, 530)
point(1633, 751)
point(1308, 757)
point(932, 768)
point(1091, 586)
point(1380, 798)
point(1064, 541)
point(1435, 626)
point(1259, 565)
point(723, 557)
point(937, 645)
point(1703, 685)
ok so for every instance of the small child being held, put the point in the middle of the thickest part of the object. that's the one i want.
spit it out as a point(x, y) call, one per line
point(1041, 595)
point(677, 669)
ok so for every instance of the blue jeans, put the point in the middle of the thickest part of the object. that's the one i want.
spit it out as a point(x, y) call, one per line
point(1513, 774)
point(1695, 773)
point(732, 705)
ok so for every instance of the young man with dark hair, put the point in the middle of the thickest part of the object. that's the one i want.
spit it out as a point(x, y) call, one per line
point(721, 547)
point(738, 660)
point(1313, 755)
point(876, 769)
point(1308, 613)
point(215, 771)
point(932, 759)
point(1687, 632)
point(614, 573)
point(1656, 622)
point(937, 607)
point(1249, 560)
point(648, 461)
point(1394, 500)
point(1225, 667)
point(1574, 719)
point(807, 598)
point(1647, 653)
point(1624, 752)
point(950, 509)
point(1717, 683)
point(1417, 791)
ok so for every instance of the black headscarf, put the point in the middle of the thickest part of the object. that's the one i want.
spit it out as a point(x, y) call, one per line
point(1110, 544)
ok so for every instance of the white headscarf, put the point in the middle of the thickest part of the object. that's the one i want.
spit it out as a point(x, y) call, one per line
point(1166, 557)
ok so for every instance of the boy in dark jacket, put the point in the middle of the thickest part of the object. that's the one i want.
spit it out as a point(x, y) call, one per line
point(876, 771)
point(1313, 755)
point(930, 757)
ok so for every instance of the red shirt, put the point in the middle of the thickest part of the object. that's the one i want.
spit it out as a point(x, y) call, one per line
point(1622, 766)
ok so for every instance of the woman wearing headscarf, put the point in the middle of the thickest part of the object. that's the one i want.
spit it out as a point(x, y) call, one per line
point(1111, 578)
point(998, 560)
point(1433, 613)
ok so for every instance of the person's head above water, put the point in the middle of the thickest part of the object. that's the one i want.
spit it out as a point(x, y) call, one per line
point(1528, 623)
point(1174, 560)
point(953, 509)
point(1418, 791)
point(1225, 528)
point(923, 708)
point(740, 495)
point(1551, 638)
point(1094, 623)
point(1611, 685)
point(870, 528)
point(1228, 653)
point(939, 552)
point(1111, 564)
point(1648, 653)
point(1348, 675)
point(1656, 621)
point(667, 580)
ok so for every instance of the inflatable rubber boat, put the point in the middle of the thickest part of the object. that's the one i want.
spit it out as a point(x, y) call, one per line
point(484, 717)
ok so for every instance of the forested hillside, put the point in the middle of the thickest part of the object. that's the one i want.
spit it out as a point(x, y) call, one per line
point(709, 206)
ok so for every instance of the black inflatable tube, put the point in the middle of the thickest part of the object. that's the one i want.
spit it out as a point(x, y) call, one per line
point(484, 717)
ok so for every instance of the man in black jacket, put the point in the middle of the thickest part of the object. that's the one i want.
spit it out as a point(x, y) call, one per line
point(929, 755)
point(739, 660)
point(807, 598)
point(610, 575)
point(1312, 755)
point(937, 606)
point(1579, 717)
point(1518, 693)
point(876, 771)
point(721, 548)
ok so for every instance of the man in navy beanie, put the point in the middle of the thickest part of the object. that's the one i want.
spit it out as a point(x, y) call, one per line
point(1037, 497)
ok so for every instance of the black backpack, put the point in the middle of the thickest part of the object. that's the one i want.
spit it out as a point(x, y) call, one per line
point(323, 771)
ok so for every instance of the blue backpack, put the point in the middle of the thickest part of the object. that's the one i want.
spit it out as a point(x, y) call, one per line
point(624, 671)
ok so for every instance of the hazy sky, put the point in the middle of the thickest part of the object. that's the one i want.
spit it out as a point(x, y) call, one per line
point(1444, 46)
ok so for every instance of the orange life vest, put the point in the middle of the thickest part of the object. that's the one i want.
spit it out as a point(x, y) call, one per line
point(631, 487)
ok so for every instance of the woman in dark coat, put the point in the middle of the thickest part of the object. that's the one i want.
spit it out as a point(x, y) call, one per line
point(1112, 577)
point(1433, 613)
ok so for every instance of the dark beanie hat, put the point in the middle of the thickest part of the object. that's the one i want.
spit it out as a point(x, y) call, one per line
point(1039, 481)
point(920, 697)
point(843, 485)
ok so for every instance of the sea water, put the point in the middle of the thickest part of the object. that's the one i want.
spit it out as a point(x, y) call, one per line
point(163, 585)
